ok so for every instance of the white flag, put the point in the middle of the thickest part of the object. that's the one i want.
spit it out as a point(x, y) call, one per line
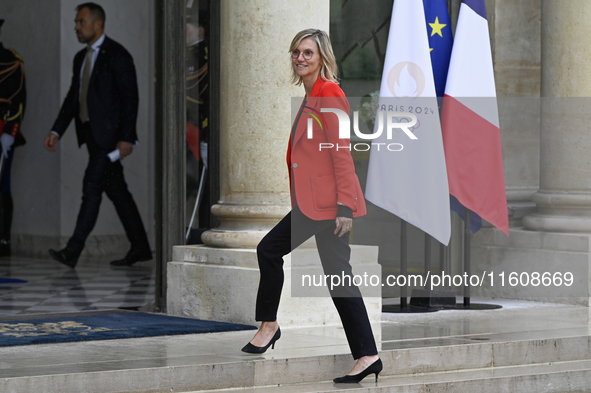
point(407, 173)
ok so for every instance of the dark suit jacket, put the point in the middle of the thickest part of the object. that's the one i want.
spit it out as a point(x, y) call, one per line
point(112, 97)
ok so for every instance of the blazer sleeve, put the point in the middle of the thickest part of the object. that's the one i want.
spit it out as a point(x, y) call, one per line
point(126, 88)
point(70, 104)
point(344, 167)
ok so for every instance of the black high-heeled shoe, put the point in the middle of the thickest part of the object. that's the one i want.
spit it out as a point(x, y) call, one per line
point(374, 368)
point(249, 348)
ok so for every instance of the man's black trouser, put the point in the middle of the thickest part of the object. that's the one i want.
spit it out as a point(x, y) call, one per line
point(334, 251)
point(103, 175)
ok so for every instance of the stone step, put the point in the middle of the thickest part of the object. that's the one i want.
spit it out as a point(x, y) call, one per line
point(572, 376)
point(308, 364)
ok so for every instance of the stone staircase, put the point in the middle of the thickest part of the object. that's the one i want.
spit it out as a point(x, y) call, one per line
point(544, 349)
point(519, 365)
point(555, 377)
point(537, 365)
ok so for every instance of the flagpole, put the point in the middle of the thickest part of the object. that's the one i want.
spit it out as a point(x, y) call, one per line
point(427, 297)
point(467, 239)
point(427, 259)
point(403, 263)
point(467, 304)
point(404, 307)
point(442, 252)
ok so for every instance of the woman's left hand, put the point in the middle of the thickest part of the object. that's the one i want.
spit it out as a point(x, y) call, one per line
point(344, 225)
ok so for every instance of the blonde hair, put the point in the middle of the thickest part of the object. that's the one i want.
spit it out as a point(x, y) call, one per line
point(329, 69)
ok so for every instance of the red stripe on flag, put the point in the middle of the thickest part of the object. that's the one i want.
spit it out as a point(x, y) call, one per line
point(474, 162)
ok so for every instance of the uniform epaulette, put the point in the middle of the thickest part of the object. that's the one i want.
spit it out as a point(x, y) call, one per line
point(17, 55)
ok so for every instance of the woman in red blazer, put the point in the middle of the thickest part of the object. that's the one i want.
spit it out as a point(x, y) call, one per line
point(325, 196)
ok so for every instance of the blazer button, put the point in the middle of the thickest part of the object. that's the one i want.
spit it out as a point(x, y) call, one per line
point(295, 165)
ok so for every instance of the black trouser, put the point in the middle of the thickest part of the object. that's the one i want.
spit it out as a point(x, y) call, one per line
point(334, 251)
point(6, 205)
point(103, 175)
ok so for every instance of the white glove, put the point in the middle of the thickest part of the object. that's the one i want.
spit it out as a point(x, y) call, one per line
point(7, 141)
point(203, 151)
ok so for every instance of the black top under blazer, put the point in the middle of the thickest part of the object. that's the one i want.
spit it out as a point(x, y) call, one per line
point(112, 97)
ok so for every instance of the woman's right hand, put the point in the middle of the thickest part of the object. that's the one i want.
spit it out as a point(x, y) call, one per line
point(344, 224)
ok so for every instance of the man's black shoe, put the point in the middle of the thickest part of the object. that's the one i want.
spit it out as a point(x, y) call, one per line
point(132, 257)
point(4, 248)
point(65, 256)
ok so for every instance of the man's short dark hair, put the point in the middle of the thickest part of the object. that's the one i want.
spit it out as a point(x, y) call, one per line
point(96, 10)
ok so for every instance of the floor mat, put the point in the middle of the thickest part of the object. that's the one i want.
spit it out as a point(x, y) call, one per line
point(11, 280)
point(105, 327)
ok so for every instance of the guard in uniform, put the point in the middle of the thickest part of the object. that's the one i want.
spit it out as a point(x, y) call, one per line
point(197, 78)
point(197, 85)
point(13, 99)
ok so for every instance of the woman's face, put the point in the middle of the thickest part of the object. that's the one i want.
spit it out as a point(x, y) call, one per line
point(307, 67)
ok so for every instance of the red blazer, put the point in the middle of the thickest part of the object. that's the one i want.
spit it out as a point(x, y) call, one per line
point(319, 178)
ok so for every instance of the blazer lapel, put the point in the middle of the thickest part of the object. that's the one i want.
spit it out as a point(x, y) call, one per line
point(302, 126)
point(100, 59)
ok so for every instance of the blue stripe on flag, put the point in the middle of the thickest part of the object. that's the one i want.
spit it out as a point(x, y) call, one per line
point(475, 219)
point(477, 6)
point(440, 40)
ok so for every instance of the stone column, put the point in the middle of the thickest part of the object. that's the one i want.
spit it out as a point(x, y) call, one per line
point(256, 114)
point(517, 79)
point(564, 198)
point(556, 240)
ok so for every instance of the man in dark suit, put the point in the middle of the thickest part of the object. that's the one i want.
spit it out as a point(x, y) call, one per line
point(103, 100)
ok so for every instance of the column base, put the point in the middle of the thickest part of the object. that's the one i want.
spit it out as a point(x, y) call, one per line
point(509, 265)
point(550, 223)
point(560, 212)
point(243, 225)
point(221, 284)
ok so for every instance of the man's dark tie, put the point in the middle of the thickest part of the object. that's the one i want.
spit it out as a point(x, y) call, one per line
point(85, 81)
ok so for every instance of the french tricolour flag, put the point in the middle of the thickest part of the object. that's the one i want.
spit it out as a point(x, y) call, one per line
point(470, 121)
